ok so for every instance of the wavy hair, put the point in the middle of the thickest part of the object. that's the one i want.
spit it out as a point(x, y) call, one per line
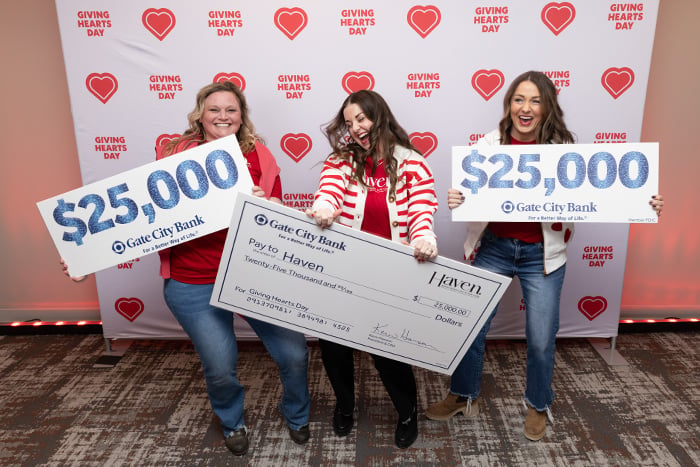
point(195, 133)
point(384, 135)
point(552, 129)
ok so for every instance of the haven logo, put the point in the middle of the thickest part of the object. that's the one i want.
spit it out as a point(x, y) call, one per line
point(491, 17)
point(94, 22)
point(293, 86)
point(357, 21)
point(487, 82)
point(102, 85)
point(235, 78)
point(558, 16)
point(111, 147)
point(296, 145)
point(291, 21)
point(130, 308)
point(617, 80)
point(424, 19)
point(454, 284)
point(354, 81)
point(225, 22)
point(592, 307)
point(158, 21)
point(165, 86)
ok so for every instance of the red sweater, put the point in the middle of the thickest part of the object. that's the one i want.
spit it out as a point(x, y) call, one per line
point(529, 232)
point(197, 261)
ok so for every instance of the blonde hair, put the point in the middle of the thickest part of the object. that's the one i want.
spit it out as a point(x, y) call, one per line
point(195, 133)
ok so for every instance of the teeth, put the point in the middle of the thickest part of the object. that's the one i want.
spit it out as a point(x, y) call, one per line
point(223, 124)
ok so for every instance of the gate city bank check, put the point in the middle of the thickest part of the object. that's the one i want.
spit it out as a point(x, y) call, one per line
point(351, 287)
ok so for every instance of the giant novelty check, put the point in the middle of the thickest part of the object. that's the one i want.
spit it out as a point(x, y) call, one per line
point(350, 287)
point(557, 182)
point(149, 208)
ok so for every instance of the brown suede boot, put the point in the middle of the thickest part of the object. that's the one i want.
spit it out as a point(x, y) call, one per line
point(451, 406)
point(535, 424)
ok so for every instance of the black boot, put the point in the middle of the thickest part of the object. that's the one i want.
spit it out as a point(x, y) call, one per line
point(342, 422)
point(407, 431)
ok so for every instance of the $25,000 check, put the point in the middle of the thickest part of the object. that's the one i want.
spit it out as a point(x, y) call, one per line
point(351, 287)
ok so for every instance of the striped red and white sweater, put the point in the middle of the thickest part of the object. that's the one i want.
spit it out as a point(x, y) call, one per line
point(410, 210)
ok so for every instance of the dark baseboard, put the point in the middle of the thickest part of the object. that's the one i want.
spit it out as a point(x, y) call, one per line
point(629, 328)
point(49, 329)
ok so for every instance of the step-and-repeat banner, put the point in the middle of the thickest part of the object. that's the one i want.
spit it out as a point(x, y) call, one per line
point(134, 68)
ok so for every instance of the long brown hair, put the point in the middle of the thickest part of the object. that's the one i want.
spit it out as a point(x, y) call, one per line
point(195, 133)
point(384, 135)
point(552, 129)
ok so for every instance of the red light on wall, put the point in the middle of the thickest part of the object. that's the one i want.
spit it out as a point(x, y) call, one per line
point(656, 321)
point(56, 323)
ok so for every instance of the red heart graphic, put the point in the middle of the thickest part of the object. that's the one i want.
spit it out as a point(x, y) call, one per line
point(592, 307)
point(557, 16)
point(235, 78)
point(164, 138)
point(487, 82)
point(557, 226)
point(567, 235)
point(617, 80)
point(102, 85)
point(426, 142)
point(129, 308)
point(357, 80)
point(424, 19)
point(291, 21)
point(158, 21)
point(296, 145)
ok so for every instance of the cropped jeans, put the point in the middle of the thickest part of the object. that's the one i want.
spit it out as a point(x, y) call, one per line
point(542, 293)
point(211, 331)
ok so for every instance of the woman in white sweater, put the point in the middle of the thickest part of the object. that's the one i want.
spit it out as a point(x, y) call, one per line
point(533, 251)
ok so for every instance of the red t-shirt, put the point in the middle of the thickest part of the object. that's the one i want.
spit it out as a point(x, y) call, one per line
point(197, 261)
point(376, 216)
point(529, 232)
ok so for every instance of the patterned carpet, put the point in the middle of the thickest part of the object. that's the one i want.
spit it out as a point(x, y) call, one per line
point(60, 409)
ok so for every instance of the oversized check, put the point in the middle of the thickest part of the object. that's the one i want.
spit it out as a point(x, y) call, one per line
point(149, 208)
point(351, 287)
point(556, 182)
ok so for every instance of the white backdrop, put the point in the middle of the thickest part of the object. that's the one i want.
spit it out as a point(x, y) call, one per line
point(134, 68)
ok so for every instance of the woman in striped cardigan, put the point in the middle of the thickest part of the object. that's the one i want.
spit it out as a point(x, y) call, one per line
point(376, 181)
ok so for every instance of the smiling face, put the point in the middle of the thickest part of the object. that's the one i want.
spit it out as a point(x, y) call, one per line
point(358, 124)
point(221, 115)
point(525, 112)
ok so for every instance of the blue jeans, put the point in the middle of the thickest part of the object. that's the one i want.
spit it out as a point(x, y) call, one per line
point(211, 331)
point(542, 293)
